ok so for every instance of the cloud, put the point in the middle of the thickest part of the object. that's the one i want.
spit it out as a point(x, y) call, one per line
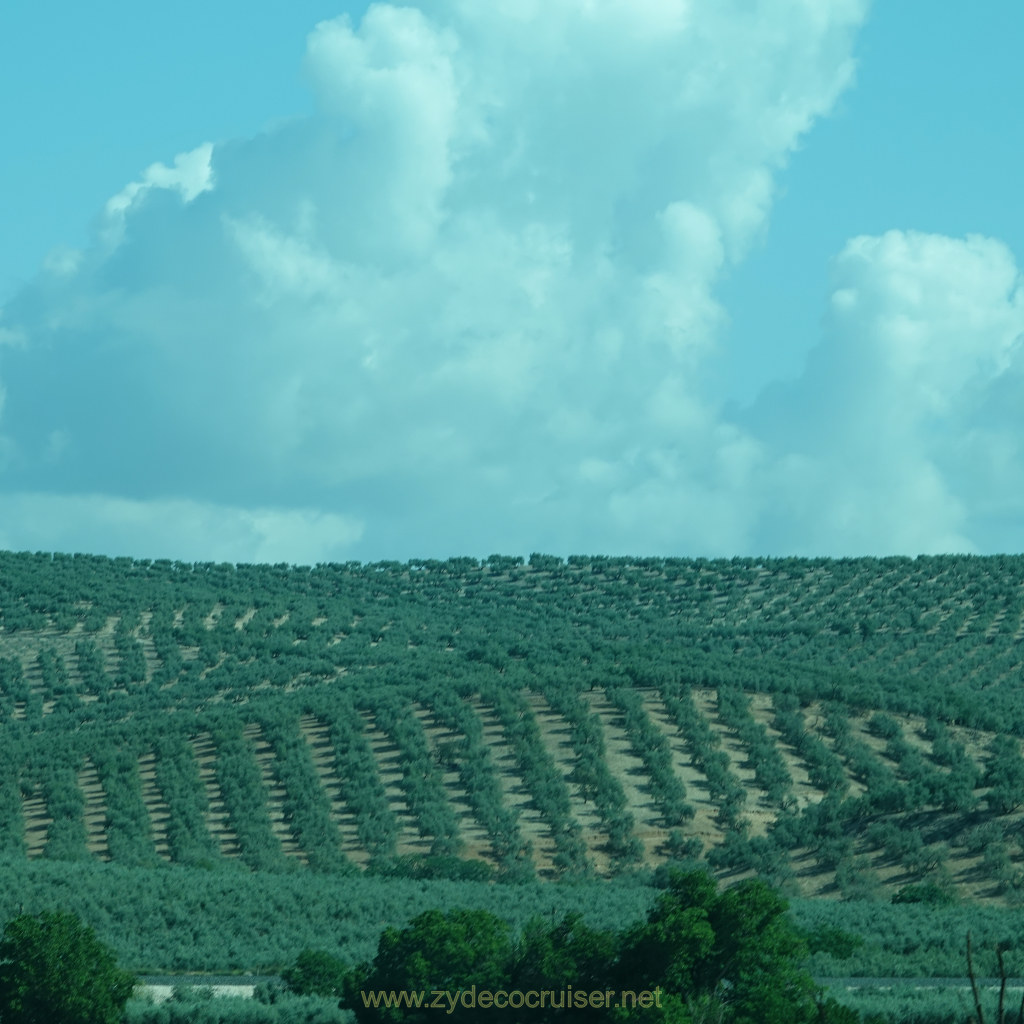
point(179, 529)
point(902, 434)
point(393, 86)
point(190, 175)
point(468, 306)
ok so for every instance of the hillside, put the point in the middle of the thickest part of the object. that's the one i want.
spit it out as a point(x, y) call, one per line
point(846, 728)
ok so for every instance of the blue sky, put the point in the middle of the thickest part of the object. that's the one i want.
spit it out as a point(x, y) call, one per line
point(327, 282)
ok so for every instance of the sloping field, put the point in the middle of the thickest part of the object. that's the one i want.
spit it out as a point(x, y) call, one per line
point(964, 869)
point(275, 793)
point(693, 779)
point(841, 727)
point(95, 811)
point(555, 733)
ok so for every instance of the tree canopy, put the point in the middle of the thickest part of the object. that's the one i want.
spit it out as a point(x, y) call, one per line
point(732, 956)
point(53, 970)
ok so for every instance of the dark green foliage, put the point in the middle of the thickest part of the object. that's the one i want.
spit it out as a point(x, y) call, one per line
point(452, 951)
point(593, 778)
point(682, 847)
point(181, 659)
point(129, 838)
point(12, 821)
point(650, 745)
point(900, 844)
point(835, 942)
point(825, 769)
point(955, 789)
point(1005, 775)
point(883, 726)
point(725, 788)
point(132, 667)
point(736, 950)
point(161, 628)
point(197, 1006)
point(926, 892)
point(13, 685)
point(193, 919)
point(421, 782)
point(545, 784)
point(546, 563)
point(65, 836)
point(556, 955)
point(53, 970)
point(856, 879)
point(187, 919)
point(95, 680)
point(53, 675)
point(315, 973)
point(884, 793)
point(913, 940)
point(471, 758)
point(770, 770)
point(412, 866)
point(910, 1004)
point(733, 954)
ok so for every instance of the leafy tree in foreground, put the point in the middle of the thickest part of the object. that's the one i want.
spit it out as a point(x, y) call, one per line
point(437, 951)
point(53, 970)
point(733, 952)
point(731, 957)
point(567, 953)
point(315, 973)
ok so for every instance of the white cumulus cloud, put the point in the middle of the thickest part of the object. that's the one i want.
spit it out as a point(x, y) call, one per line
point(901, 436)
point(180, 529)
point(467, 306)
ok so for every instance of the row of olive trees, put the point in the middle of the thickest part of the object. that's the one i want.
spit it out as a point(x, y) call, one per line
point(592, 776)
point(543, 781)
point(703, 744)
point(651, 746)
point(420, 780)
point(471, 757)
point(359, 781)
